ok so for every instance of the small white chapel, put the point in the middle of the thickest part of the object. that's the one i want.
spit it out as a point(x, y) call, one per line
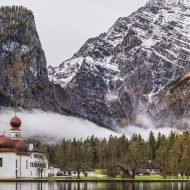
point(17, 159)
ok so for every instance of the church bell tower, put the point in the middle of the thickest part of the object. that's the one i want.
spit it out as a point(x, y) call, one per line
point(15, 130)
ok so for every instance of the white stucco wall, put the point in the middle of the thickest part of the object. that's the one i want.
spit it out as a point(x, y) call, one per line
point(23, 168)
point(153, 171)
point(8, 168)
point(53, 170)
point(34, 171)
point(74, 173)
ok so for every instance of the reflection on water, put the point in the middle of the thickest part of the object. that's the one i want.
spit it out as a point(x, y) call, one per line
point(95, 186)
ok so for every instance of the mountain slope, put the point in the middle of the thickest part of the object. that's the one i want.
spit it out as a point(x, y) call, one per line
point(114, 77)
point(174, 104)
point(23, 74)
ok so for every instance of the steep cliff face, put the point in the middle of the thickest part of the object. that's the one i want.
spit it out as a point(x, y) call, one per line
point(171, 106)
point(139, 67)
point(116, 76)
point(23, 74)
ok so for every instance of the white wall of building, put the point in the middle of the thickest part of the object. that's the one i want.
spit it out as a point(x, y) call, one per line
point(53, 171)
point(82, 174)
point(14, 165)
point(153, 171)
point(8, 168)
point(24, 170)
point(34, 168)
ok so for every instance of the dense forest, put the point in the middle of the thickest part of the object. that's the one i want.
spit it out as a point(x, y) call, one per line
point(171, 153)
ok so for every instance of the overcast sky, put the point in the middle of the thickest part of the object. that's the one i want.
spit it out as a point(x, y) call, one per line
point(64, 25)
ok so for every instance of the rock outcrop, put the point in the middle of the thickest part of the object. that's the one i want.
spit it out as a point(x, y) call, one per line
point(171, 106)
point(23, 74)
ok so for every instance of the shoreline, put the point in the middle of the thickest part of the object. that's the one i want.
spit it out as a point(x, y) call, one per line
point(31, 180)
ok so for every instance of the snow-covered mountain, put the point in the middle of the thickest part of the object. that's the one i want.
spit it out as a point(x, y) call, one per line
point(120, 74)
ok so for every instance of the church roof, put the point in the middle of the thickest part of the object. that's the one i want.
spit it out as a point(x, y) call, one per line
point(6, 142)
point(21, 147)
point(9, 145)
point(15, 122)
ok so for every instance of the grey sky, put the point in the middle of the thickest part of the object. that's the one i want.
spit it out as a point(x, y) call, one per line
point(64, 25)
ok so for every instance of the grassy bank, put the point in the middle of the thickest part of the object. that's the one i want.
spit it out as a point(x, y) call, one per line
point(150, 177)
point(99, 178)
point(104, 177)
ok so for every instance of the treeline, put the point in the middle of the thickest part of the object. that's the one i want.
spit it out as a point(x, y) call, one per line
point(171, 153)
point(14, 12)
point(17, 23)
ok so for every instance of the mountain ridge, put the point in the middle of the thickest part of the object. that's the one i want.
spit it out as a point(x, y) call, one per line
point(114, 77)
point(138, 67)
point(185, 3)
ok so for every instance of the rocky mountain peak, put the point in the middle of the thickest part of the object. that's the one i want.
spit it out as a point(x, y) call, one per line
point(131, 70)
point(185, 3)
point(114, 77)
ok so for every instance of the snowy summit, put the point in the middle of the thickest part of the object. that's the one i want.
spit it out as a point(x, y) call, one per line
point(171, 2)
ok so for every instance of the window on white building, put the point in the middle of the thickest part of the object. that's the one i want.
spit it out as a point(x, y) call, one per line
point(1, 162)
point(26, 164)
point(16, 163)
point(39, 156)
point(36, 165)
point(44, 165)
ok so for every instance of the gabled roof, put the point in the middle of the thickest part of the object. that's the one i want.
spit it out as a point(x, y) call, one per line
point(149, 164)
point(125, 166)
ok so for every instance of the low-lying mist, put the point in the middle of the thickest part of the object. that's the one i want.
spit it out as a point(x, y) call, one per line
point(144, 125)
point(144, 132)
point(52, 125)
point(56, 126)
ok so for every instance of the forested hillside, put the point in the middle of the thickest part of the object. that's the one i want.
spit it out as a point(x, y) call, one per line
point(170, 153)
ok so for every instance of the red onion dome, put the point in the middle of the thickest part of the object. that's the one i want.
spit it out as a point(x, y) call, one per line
point(20, 146)
point(15, 122)
point(6, 143)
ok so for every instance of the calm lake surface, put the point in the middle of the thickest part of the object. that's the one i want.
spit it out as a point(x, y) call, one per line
point(95, 186)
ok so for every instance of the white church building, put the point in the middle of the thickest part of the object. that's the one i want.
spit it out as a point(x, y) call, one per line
point(17, 159)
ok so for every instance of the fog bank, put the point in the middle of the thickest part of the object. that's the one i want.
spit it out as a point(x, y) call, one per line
point(56, 126)
point(52, 125)
point(144, 125)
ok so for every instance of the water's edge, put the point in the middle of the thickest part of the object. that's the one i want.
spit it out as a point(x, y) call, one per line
point(93, 180)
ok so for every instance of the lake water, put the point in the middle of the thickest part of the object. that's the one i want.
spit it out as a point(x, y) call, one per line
point(95, 186)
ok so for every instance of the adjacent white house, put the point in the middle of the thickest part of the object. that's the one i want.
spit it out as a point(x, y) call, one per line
point(71, 171)
point(54, 170)
point(152, 167)
point(18, 160)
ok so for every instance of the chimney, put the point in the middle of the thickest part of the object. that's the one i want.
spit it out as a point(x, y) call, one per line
point(30, 147)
